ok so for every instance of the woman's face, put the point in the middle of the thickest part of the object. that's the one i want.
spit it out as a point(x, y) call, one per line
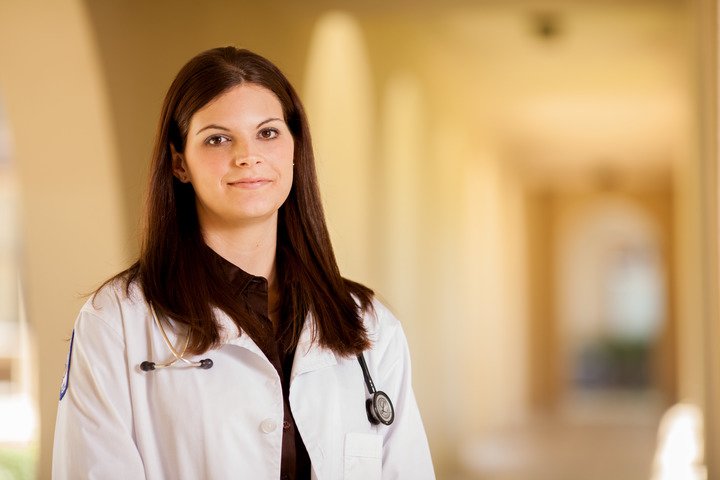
point(238, 157)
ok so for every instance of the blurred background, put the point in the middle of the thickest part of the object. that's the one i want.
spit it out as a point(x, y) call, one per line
point(529, 185)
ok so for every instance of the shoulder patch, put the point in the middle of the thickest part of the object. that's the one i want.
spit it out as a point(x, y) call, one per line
point(66, 378)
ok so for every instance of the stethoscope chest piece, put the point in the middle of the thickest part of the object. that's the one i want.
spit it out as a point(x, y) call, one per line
point(380, 409)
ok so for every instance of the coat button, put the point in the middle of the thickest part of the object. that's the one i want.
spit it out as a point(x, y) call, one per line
point(268, 425)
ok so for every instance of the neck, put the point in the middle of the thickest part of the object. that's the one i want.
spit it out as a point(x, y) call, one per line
point(251, 247)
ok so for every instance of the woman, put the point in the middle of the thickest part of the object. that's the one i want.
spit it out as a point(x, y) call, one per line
point(233, 348)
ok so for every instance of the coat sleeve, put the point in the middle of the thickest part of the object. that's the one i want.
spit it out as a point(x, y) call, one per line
point(94, 428)
point(405, 449)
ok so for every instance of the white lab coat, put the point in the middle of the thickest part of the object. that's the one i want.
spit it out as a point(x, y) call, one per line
point(117, 422)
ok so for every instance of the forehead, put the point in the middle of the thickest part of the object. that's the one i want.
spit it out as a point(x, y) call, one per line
point(248, 100)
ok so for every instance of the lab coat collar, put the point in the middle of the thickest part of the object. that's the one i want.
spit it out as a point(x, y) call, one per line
point(309, 356)
point(231, 334)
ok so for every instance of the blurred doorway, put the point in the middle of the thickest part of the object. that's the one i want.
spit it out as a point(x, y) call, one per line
point(604, 322)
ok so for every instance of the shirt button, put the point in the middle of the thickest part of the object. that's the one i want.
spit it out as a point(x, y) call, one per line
point(286, 425)
point(268, 425)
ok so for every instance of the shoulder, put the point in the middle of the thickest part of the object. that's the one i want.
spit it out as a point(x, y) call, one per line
point(382, 326)
point(389, 355)
point(114, 295)
point(111, 305)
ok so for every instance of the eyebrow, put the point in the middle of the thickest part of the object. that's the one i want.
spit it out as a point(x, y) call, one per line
point(225, 129)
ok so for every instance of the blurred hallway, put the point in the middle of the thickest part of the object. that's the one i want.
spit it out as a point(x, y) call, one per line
point(529, 185)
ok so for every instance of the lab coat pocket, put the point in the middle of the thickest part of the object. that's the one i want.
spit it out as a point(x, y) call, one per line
point(363, 456)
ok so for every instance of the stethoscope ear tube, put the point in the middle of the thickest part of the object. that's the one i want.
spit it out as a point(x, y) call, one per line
point(379, 407)
point(148, 366)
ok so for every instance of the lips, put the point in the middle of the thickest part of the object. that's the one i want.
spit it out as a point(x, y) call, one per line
point(250, 183)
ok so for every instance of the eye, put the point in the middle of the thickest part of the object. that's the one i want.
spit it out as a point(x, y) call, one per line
point(268, 133)
point(216, 140)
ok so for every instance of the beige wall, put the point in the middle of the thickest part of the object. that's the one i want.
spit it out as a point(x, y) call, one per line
point(707, 36)
point(64, 148)
point(343, 135)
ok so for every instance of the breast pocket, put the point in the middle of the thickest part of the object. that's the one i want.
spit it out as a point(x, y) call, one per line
point(363, 456)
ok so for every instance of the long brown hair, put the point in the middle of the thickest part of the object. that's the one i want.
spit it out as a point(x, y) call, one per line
point(174, 269)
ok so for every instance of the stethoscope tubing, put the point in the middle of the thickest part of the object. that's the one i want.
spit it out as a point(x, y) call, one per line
point(148, 366)
point(379, 407)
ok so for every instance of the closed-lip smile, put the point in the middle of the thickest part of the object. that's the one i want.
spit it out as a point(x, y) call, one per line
point(250, 182)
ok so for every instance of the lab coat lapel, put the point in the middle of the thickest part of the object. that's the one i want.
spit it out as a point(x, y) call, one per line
point(231, 334)
point(309, 356)
point(316, 426)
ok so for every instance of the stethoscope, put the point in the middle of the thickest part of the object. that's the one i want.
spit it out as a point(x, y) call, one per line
point(379, 407)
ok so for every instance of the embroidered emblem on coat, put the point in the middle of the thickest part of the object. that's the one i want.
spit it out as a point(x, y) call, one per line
point(66, 378)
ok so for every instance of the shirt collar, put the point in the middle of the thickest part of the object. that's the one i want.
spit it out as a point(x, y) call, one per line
point(236, 276)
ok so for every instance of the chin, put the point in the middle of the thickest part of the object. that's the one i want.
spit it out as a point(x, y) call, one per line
point(255, 216)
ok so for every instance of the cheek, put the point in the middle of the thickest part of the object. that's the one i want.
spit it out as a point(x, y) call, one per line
point(283, 152)
point(284, 158)
point(205, 166)
point(287, 172)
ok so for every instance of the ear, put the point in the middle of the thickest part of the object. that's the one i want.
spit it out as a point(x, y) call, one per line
point(179, 166)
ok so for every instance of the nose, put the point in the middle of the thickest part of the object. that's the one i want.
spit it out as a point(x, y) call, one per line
point(245, 154)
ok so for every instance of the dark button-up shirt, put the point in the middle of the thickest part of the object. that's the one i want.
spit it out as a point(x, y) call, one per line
point(253, 292)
